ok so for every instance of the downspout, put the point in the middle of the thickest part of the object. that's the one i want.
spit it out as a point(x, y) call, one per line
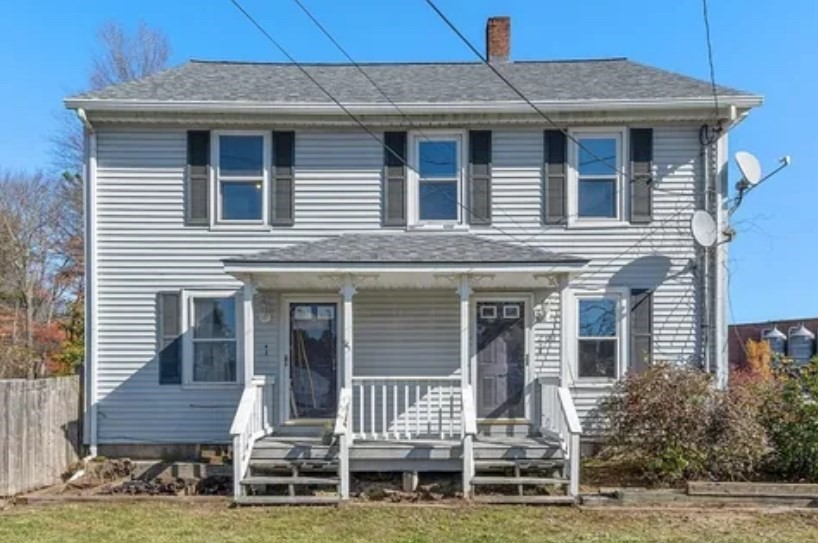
point(90, 415)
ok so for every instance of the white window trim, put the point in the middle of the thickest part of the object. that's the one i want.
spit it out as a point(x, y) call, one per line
point(622, 151)
point(216, 221)
point(413, 179)
point(188, 296)
point(621, 295)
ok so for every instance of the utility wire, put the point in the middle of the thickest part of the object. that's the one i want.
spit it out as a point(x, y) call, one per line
point(706, 17)
point(523, 97)
point(338, 103)
point(380, 90)
point(360, 123)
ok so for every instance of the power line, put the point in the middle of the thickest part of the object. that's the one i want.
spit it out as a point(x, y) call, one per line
point(337, 102)
point(381, 91)
point(706, 17)
point(360, 123)
point(523, 97)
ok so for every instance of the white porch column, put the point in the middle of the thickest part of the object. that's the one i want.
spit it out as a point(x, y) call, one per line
point(248, 293)
point(347, 292)
point(464, 291)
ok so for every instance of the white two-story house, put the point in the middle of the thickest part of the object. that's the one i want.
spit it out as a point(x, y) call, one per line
point(439, 278)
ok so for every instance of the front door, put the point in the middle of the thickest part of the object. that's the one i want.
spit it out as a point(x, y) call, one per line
point(500, 359)
point(313, 360)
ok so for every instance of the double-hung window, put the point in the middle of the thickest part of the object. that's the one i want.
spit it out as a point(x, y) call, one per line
point(598, 186)
point(213, 339)
point(241, 178)
point(439, 179)
point(599, 349)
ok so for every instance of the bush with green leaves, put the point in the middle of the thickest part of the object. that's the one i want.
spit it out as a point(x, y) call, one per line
point(790, 416)
point(669, 424)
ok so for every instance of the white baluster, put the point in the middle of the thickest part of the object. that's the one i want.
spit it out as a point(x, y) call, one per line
point(395, 410)
point(372, 412)
point(406, 411)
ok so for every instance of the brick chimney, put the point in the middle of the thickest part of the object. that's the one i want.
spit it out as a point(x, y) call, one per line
point(498, 39)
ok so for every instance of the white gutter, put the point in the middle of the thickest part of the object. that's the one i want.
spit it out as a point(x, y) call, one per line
point(323, 108)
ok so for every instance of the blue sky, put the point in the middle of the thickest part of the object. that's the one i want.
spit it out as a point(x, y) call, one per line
point(769, 48)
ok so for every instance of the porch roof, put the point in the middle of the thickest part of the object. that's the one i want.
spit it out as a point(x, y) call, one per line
point(408, 248)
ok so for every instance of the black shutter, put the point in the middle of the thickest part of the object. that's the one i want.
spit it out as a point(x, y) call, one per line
point(282, 206)
point(394, 179)
point(641, 141)
point(641, 330)
point(169, 337)
point(197, 193)
point(555, 177)
point(479, 190)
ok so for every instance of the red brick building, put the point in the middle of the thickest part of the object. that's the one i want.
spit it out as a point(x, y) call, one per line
point(740, 333)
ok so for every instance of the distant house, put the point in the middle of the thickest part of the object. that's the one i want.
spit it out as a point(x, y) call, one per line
point(452, 289)
point(792, 340)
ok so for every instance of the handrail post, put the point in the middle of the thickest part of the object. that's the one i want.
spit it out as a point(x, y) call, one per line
point(343, 431)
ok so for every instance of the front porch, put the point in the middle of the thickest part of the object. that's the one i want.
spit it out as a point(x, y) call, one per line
point(406, 367)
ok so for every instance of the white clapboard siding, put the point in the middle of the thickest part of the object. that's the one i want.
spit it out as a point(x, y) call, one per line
point(143, 247)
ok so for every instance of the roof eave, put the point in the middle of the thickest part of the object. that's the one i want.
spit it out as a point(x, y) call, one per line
point(234, 266)
point(303, 108)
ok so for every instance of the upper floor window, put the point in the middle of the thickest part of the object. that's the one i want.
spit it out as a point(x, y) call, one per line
point(598, 337)
point(597, 191)
point(438, 192)
point(241, 177)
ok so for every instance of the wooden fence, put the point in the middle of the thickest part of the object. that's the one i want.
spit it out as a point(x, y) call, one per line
point(39, 432)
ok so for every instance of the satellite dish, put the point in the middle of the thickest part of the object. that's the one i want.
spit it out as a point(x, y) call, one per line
point(749, 167)
point(704, 229)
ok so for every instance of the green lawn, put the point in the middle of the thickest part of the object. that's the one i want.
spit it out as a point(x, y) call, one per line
point(160, 523)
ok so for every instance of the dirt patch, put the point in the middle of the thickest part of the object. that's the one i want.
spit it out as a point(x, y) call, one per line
point(387, 487)
point(105, 476)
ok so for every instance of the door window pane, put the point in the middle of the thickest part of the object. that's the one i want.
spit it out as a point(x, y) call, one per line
point(241, 201)
point(241, 156)
point(438, 201)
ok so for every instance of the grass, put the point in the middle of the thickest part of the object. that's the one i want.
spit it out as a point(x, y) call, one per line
point(165, 523)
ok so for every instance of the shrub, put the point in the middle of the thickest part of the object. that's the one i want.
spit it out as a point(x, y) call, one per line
point(790, 416)
point(669, 423)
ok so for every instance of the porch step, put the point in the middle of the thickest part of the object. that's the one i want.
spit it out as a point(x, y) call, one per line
point(484, 480)
point(287, 500)
point(523, 464)
point(526, 500)
point(294, 480)
point(286, 464)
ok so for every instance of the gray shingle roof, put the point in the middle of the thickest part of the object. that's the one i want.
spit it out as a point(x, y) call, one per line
point(408, 247)
point(607, 79)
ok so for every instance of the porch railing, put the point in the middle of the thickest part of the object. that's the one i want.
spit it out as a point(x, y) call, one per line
point(559, 419)
point(343, 433)
point(253, 420)
point(406, 407)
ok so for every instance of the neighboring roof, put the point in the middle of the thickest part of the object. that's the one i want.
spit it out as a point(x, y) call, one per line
point(408, 248)
point(615, 79)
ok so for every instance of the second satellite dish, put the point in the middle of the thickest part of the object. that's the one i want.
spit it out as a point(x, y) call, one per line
point(750, 169)
point(704, 229)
